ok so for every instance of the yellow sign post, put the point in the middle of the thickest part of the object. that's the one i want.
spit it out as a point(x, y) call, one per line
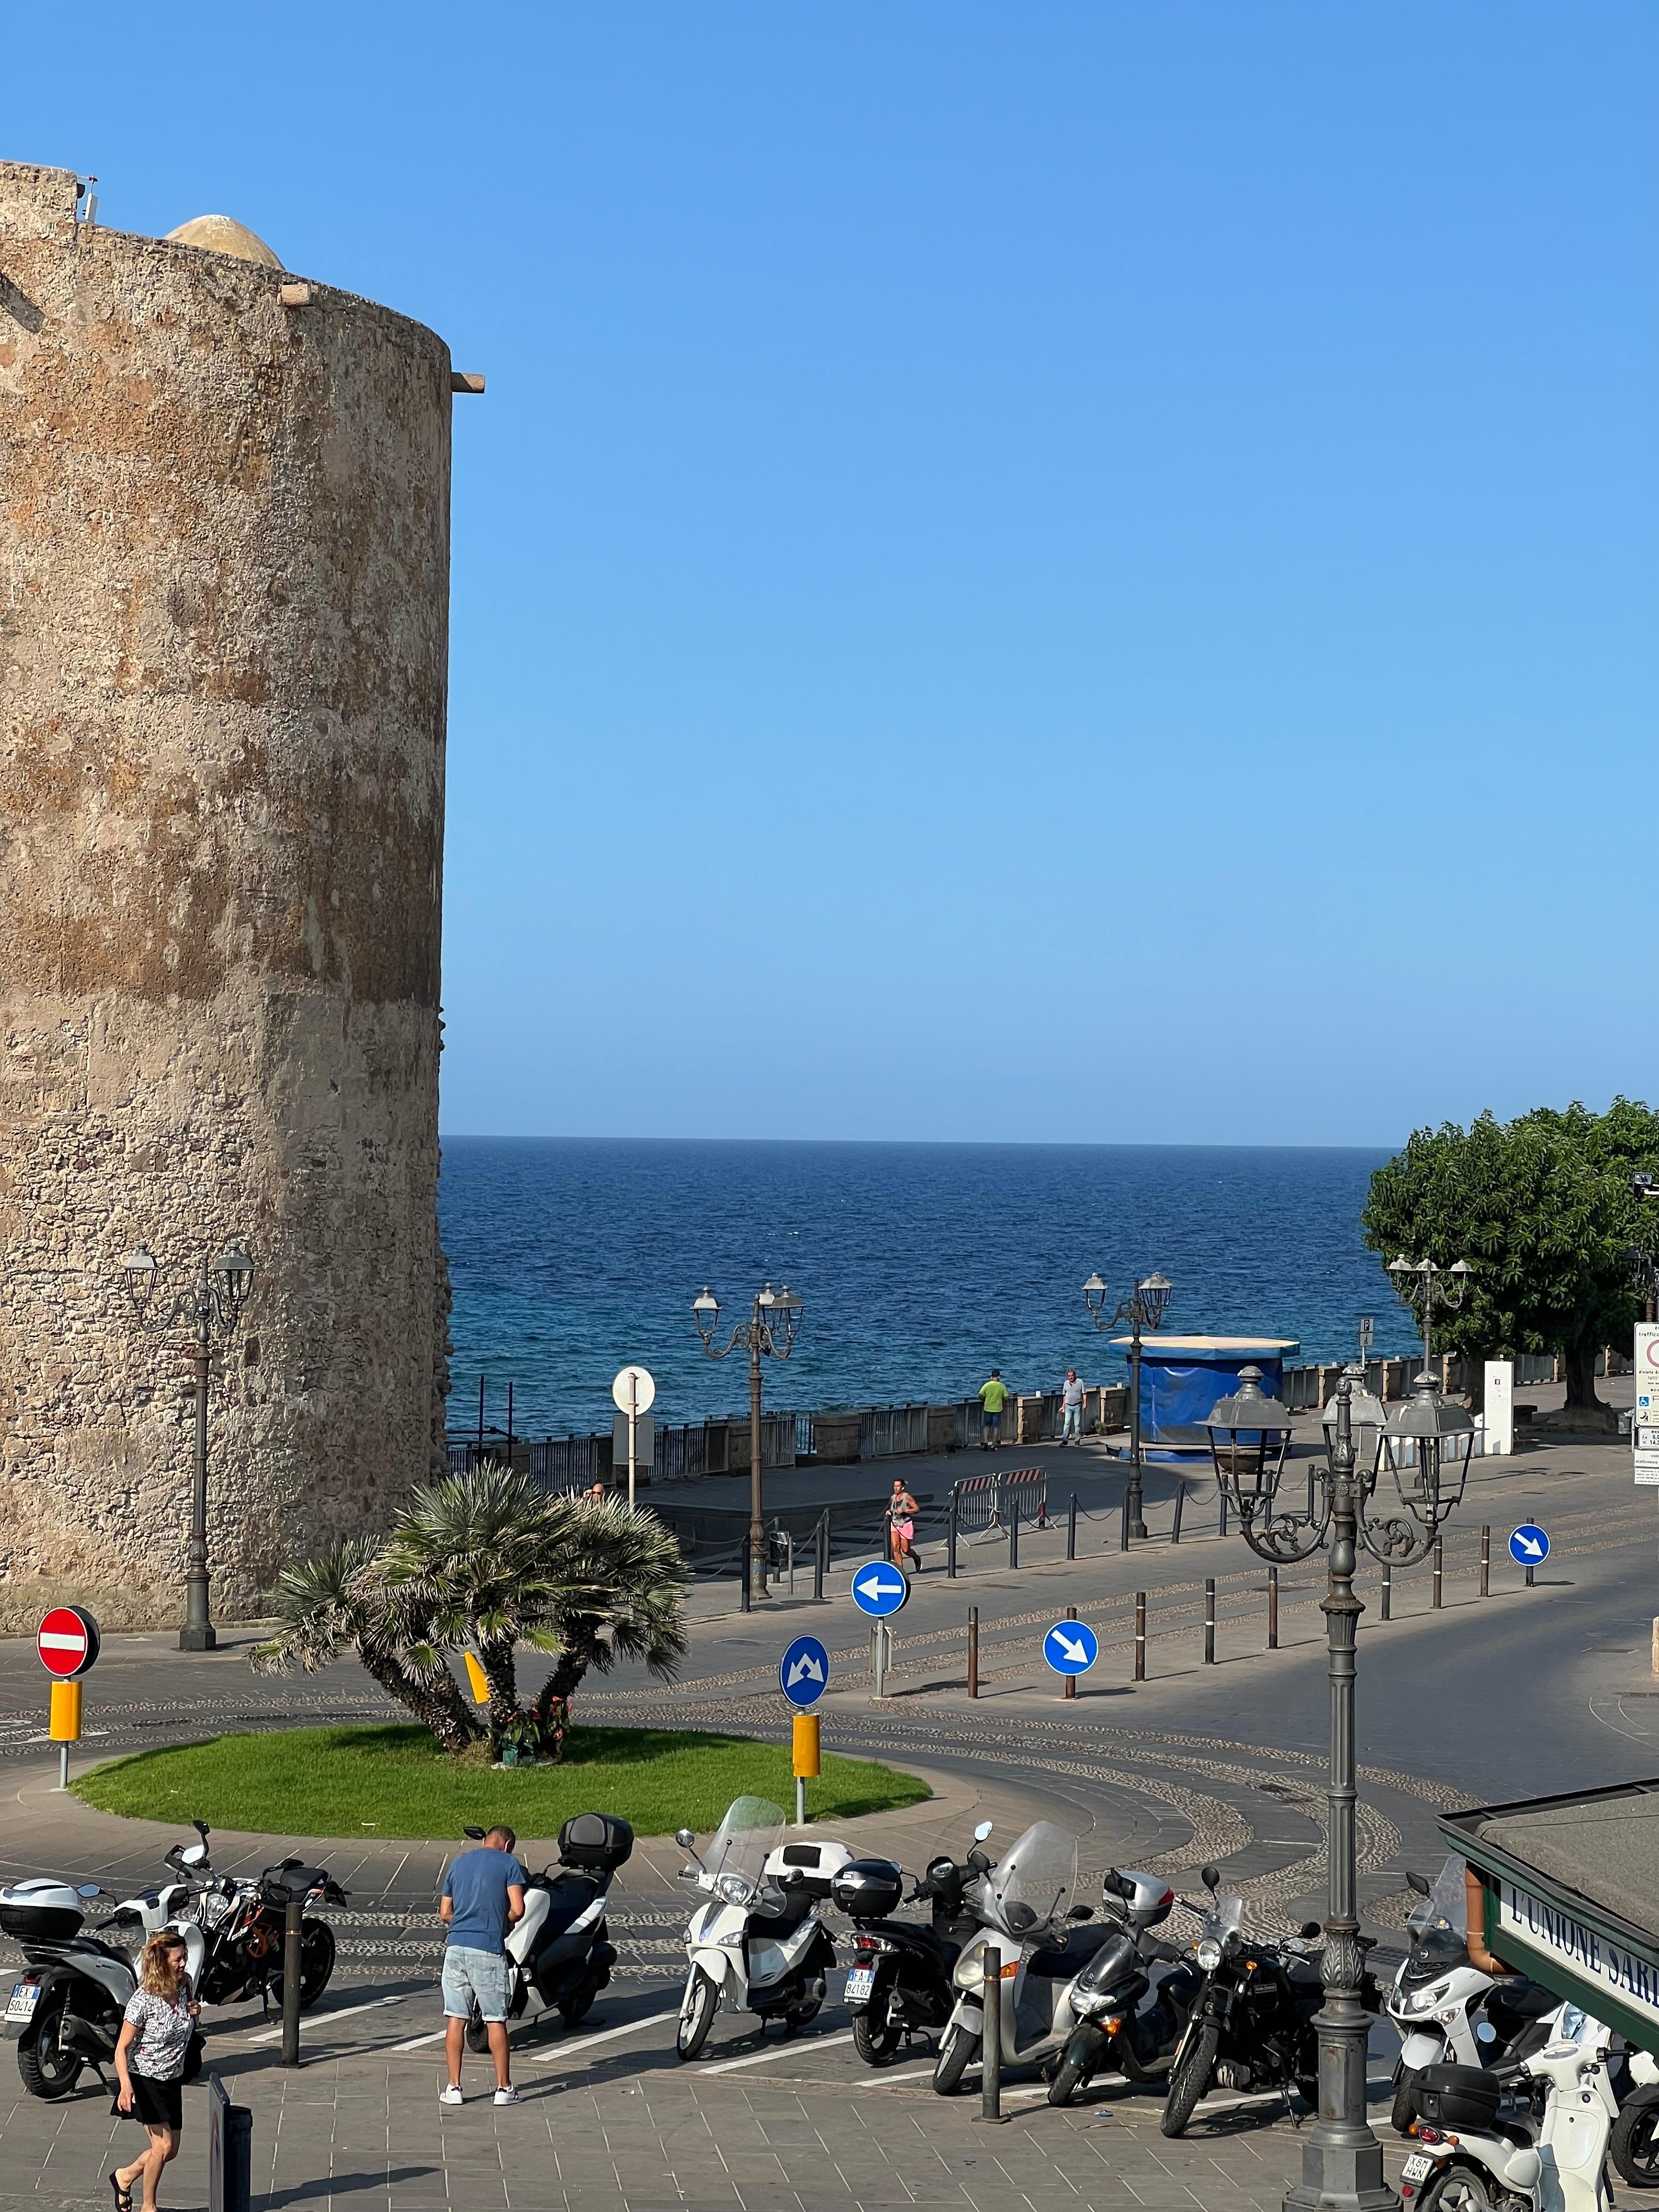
point(65, 1724)
point(807, 1764)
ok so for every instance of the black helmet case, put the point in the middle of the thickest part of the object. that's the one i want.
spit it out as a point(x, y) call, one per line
point(867, 1889)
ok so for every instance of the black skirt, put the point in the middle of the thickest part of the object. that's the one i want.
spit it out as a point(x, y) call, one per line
point(155, 2103)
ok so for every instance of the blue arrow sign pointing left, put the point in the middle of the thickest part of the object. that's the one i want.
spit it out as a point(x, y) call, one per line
point(803, 1671)
point(879, 1589)
point(1070, 1647)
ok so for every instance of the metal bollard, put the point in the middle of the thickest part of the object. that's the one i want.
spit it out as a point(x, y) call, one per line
point(1123, 1539)
point(1209, 1621)
point(1141, 1636)
point(1486, 1561)
point(1013, 1534)
point(990, 2049)
point(1180, 1499)
point(820, 1557)
point(1529, 1574)
point(1070, 1691)
point(950, 1540)
point(293, 1915)
point(1273, 1608)
point(1439, 1571)
point(1071, 1528)
point(745, 1565)
point(973, 1651)
point(1388, 1586)
point(1222, 1528)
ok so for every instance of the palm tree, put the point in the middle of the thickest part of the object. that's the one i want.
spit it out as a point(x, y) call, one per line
point(338, 1602)
point(623, 1597)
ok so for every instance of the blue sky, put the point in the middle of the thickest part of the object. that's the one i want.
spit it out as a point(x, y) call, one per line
point(1072, 572)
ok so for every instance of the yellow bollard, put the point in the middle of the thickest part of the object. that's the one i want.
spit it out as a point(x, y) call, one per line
point(807, 1761)
point(65, 1728)
point(475, 1675)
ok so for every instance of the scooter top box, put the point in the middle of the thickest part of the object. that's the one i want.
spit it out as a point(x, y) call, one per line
point(41, 1911)
point(867, 1889)
point(595, 1843)
point(1456, 2096)
point(811, 1867)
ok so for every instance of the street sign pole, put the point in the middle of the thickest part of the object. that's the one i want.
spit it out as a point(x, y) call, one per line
point(633, 1392)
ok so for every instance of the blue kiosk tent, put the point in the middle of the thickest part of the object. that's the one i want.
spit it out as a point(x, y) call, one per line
point(1182, 1377)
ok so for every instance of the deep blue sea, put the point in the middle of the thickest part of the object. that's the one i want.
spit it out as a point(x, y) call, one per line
point(921, 1265)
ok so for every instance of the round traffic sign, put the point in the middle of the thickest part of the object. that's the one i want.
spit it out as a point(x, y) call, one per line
point(879, 1588)
point(67, 1641)
point(1528, 1546)
point(634, 1390)
point(803, 1671)
point(1070, 1647)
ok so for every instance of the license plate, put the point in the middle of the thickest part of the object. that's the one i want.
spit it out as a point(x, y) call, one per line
point(24, 1997)
point(860, 1983)
point(1417, 2168)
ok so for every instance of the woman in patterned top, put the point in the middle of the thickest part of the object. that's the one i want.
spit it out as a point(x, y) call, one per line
point(150, 2059)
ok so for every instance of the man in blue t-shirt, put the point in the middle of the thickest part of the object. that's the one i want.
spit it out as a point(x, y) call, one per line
point(482, 1896)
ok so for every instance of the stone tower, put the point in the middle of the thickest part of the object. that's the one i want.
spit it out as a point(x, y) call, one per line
point(224, 520)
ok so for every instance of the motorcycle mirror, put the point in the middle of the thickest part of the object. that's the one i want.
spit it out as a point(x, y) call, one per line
point(1419, 1882)
point(473, 1835)
point(202, 1829)
point(1310, 1928)
point(193, 1854)
point(89, 1889)
point(684, 1839)
point(1210, 1878)
point(982, 1831)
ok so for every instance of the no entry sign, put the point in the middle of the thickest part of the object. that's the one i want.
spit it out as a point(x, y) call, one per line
point(67, 1640)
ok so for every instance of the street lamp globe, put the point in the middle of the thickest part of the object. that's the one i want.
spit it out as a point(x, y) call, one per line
point(1368, 1418)
point(1155, 1294)
point(1428, 1442)
point(1094, 1294)
point(139, 1268)
point(235, 1272)
point(1250, 1438)
point(705, 1311)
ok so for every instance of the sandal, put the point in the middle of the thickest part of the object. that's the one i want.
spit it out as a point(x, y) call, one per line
point(122, 2196)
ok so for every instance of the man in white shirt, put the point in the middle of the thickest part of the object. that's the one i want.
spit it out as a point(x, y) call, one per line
point(1071, 1400)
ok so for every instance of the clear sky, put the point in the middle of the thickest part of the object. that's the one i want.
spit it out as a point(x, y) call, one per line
point(1034, 571)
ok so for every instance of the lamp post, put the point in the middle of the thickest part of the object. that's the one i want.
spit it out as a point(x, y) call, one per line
point(1144, 1309)
point(214, 1302)
point(1418, 1283)
point(1425, 1442)
point(770, 1329)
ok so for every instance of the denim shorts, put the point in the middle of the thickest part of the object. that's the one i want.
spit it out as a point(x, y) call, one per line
point(483, 1976)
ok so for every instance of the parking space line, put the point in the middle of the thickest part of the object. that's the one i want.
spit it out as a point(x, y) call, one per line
point(586, 2043)
point(783, 2050)
point(323, 2019)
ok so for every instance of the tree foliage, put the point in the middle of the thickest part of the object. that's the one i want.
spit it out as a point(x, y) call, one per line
point(487, 1563)
point(1542, 1208)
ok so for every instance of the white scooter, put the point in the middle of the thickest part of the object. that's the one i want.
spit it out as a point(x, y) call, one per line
point(1438, 1989)
point(1468, 2159)
point(758, 1943)
point(1024, 1903)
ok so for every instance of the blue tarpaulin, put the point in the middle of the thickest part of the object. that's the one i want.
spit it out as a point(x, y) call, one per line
point(1182, 1378)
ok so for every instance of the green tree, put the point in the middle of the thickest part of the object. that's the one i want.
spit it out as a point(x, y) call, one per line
point(1542, 1208)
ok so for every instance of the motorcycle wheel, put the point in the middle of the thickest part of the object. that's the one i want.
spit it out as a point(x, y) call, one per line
point(1404, 2110)
point(577, 2006)
point(1461, 2190)
point(956, 2053)
point(477, 2034)
point(1190, 2077)
point(697, 2009)
point(804, 2011)
point(1069, 2077)
point(874, 2042)
point(49, 2070)
point(316, 1964)
point(1635, 2144)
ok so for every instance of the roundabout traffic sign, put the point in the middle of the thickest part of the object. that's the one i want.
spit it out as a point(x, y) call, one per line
point(1070, 1647)
point(67, 1641)
point(879, 1588)
point(803, 1671)
point(1528, 1545)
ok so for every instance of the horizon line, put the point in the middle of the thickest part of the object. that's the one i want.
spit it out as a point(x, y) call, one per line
point(956, 1144)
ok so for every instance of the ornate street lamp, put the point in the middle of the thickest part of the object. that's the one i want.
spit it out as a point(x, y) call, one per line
point(770, 1329)
point(214, 1302)
point(1425, 1443)
point(1420, 1284)
point(1143, 1310)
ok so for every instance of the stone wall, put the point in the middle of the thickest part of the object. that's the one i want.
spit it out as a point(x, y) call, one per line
point(223, 645)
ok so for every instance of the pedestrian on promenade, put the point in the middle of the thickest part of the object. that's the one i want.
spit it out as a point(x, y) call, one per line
point(901, 1512)
point(993, 1397)
point(149, 2062)
point(482, 1896)
point(1071, 1403)
point(595, 1495)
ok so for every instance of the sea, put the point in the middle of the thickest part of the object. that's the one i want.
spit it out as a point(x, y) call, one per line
point(919, 1266)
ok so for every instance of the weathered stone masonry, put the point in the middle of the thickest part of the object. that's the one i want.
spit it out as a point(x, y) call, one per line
point(223, 640)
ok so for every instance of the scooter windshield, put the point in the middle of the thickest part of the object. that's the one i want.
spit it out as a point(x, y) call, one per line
point(1225, 1918)
point(1035, 1884)
point(735, 1859)
point(1446, 1906)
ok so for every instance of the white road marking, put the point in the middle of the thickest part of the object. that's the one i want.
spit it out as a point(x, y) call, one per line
point(587, 2042)
point(416, 2042)
point(782, 2050)
point(323, 2019)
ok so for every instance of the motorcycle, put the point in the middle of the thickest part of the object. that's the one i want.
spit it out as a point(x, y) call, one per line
point(1634, 2147)
point(758, 1943)
point(1110, 2033)
point(1549, 2153)
point(1251, 2024)
point(1026, 1896)
point(65, 2009)
point(560, 1952)
point(1438, 1989)
point(242, 1921)
point(900, 1982)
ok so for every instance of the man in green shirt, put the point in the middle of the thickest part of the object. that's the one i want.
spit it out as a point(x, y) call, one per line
point(993, 1397)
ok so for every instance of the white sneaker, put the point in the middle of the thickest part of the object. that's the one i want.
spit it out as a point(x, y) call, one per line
point(452, 2095)
point(508, 2096)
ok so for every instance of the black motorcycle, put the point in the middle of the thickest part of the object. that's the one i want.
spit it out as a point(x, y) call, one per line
point(1112, 2033)
point(560, 1954)
point(899, 1984)
point(1251, 2024)
point(243, 1925)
